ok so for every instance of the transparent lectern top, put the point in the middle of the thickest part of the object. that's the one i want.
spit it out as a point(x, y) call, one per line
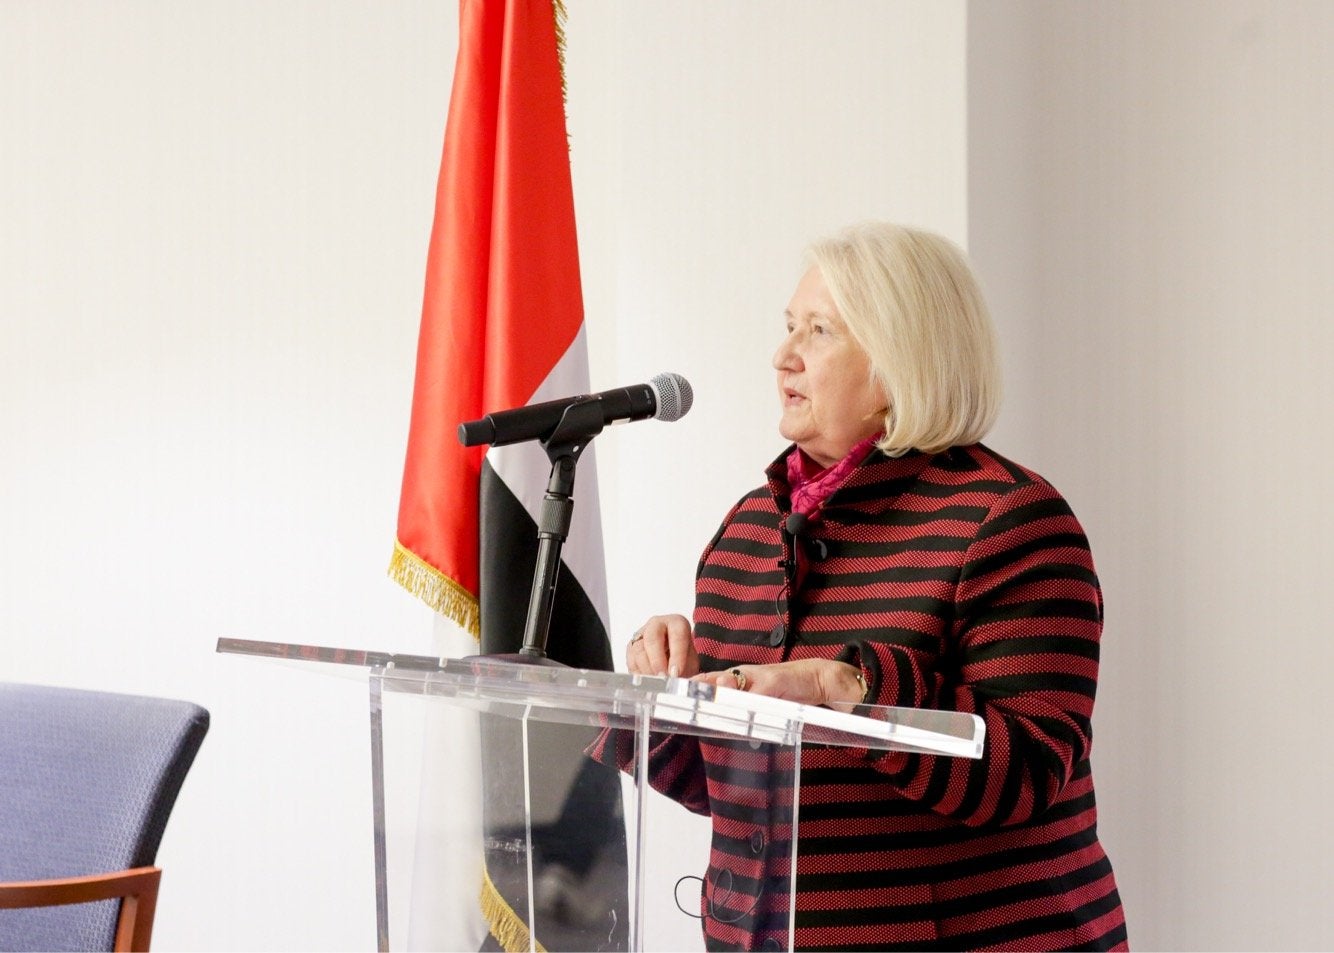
point(550, 692)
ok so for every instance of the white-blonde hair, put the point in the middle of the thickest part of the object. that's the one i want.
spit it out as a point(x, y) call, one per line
point(910, 299)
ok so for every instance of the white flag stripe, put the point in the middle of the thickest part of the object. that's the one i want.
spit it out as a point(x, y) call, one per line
point(525, 469)
point(447, 860)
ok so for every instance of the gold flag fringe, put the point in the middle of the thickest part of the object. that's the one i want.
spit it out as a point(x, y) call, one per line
point(506, 926)
point(437, 590)
point(558, 10)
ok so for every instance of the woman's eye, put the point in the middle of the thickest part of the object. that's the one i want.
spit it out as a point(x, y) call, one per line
point(818, 328)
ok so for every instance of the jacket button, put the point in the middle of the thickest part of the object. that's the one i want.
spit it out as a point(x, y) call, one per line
point(757, 842)
point(778, 634)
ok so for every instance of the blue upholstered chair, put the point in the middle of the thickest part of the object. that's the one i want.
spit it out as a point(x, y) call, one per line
point(87, 782)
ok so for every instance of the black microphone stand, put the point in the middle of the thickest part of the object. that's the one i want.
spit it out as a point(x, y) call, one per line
point(581, 422)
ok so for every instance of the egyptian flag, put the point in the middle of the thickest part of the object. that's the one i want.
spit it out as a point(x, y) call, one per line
point(502, 327)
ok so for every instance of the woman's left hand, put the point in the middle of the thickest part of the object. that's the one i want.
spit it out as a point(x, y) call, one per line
point(812, 681)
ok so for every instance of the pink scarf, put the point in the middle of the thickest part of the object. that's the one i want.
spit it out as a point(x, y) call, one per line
point(812, 486)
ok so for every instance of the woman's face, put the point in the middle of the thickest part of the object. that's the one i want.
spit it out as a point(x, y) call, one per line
point(824, 378)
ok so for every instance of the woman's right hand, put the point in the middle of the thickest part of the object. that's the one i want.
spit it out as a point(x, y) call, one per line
point(664, 645)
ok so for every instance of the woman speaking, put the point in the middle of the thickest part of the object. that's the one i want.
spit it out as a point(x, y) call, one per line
point(890, 558)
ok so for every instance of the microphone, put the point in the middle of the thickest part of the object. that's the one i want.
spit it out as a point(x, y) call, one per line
point(796, 524)
point(666, 397)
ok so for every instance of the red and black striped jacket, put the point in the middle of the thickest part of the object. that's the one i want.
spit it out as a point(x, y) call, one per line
point(971, 582)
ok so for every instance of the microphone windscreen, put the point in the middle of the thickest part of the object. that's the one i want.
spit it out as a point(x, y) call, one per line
point(673, 396)
point(796, 524)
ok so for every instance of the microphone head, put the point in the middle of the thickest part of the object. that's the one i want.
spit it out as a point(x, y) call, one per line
point(673, 396)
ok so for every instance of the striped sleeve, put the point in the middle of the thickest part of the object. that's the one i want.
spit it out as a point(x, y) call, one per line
point(1026, 632)
point(675, 765)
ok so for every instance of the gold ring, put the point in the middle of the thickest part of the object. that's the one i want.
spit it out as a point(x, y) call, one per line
point(741, 680)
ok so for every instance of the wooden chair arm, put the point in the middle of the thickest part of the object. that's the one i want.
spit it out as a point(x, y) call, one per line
point(137, 889)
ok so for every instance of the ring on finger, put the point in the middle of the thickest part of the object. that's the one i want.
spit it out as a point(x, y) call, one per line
point(740, 678)
point(637, 637)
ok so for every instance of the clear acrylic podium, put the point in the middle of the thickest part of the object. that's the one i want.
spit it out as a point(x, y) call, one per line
point(547, 803)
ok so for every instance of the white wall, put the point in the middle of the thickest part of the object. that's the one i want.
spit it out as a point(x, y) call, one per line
point(710, 143)
point(1149, 195)
point(214, 225)
point(213, 222)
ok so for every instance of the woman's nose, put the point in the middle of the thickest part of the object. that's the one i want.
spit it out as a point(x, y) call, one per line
point(786, 357)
